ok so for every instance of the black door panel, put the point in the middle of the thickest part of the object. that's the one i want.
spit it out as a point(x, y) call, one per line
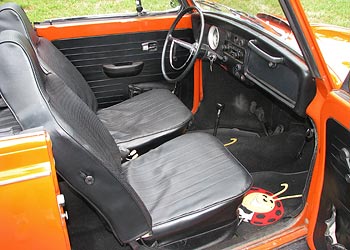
point(89, 54)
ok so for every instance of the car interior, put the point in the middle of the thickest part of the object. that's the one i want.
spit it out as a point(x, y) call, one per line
point(138, 169)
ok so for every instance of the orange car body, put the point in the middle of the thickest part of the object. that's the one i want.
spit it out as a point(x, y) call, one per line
point(32, 221)
point(30, 215)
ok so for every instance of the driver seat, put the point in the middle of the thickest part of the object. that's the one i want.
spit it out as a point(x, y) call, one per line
point(143, 121)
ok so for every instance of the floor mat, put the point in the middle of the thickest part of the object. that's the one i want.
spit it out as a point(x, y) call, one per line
point(268, 153)
point(271, 181)
point(85, 228)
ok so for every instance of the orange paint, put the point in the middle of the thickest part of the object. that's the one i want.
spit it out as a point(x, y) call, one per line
point(331, 107)
point(68, 30)
point(326, 104)
point(334, 43)
point(29, 214)
point(197, 86)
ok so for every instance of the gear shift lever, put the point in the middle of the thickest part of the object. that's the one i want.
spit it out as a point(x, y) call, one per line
point(219, 108)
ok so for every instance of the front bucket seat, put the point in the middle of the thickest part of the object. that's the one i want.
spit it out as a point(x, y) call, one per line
point(187, 188)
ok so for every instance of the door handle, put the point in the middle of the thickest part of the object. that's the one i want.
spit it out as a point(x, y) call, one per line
point(345, 158)
point(273, 61)
point(150, 46)
point(123, 69)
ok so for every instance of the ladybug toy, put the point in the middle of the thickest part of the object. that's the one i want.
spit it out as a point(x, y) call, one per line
point(261, 207)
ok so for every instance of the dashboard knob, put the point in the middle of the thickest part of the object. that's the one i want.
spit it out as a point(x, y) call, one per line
point(238, 67)
point(241, 42)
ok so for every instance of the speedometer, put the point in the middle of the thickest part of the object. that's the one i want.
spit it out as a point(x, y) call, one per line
point(213, 37)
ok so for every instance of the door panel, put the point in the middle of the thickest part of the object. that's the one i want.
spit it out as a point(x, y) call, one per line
point(89, 54)
point(336, 189)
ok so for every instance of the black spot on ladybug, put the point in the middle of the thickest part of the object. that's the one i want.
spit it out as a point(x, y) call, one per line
point(271, 201)
point(271, 220)
point(278, 204)
point(260, 216)
point(265, 200)
point(278, 212)
point(257, 223)
point(265, 196)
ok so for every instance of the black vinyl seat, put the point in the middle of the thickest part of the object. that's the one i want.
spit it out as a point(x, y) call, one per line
point(153, 117)
point(155, 114)
point(186, 180)
point(188, 187)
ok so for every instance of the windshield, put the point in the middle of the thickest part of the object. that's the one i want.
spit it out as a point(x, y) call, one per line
point(329, 21)
point(265, 15)
point(39, 11)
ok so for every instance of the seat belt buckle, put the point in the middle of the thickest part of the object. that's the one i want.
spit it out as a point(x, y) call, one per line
point(132, 155)
point(134, 90)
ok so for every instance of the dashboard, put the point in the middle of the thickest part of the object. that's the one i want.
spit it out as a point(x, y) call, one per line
point(257, 60)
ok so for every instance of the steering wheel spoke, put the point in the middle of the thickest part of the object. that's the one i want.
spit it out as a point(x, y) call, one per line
point(193, 48)
point(171, 58)
point(190, 46)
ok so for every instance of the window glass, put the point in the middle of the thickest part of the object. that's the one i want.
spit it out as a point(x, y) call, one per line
point(329, 19)
point(330, 22)
point(265, 15)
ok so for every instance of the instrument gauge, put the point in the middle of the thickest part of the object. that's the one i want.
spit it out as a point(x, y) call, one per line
point(213, 37)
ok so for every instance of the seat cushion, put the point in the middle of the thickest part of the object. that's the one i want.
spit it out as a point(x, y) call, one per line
point(145, 118)
point(191, 183)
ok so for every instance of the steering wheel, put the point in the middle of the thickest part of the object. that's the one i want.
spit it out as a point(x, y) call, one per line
point(194, 48)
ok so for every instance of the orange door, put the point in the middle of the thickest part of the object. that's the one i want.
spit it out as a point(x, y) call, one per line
point(332, 226)
point(96, 45)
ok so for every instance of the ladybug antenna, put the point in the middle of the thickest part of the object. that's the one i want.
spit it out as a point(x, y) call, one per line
point(290, 197)
point(285, 187)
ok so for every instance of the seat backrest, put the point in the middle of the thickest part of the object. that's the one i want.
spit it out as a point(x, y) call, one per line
point(12, 17)
point(8, 124)
point(85, 152)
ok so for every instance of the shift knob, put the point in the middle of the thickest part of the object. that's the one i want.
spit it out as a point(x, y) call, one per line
point(219, 108)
